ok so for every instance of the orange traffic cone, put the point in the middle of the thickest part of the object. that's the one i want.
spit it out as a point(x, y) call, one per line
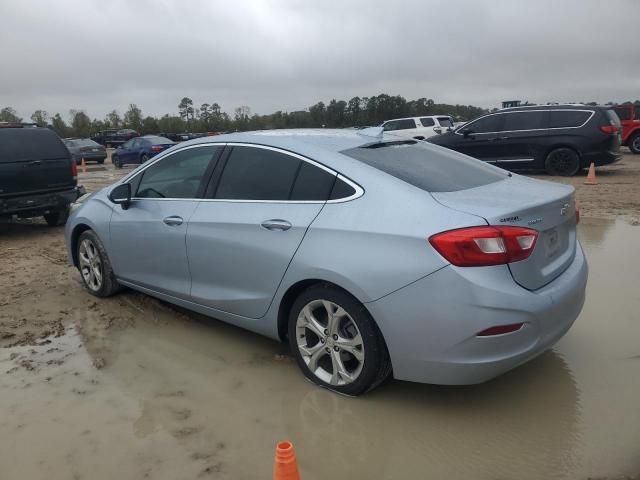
point(591, 177)
point(83, 165)
point(285, 466)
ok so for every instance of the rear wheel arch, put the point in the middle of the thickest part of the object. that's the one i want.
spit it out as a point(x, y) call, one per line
point(290, 296)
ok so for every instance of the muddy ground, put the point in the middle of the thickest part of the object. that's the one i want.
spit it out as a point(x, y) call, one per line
point(130, 387)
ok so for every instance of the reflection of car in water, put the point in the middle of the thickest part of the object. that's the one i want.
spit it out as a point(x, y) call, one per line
point(521, 425)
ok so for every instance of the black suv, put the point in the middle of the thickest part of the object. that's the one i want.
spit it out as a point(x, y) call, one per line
point(561, 139)
point(37, 176)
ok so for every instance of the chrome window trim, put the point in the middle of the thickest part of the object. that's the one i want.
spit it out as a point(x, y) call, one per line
point(359, 191)
point(593, 112)
point(516, 160)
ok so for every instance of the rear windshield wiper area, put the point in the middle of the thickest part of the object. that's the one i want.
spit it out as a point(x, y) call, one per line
point(394, 143)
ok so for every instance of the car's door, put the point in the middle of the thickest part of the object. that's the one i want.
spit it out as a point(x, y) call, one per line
point(126, 152)
point(148, 238)
point(478, 139)
point(241, 240)
point(523, 139)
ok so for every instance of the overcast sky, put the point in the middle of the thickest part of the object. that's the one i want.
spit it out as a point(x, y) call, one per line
point(98, 55)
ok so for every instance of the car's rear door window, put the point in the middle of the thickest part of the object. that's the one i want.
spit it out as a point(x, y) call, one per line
point(532, 120)
point(421, 166)
point(568, 118)
point(427, 122)
point(253, 173)
point(312, 183)
point(179, 175)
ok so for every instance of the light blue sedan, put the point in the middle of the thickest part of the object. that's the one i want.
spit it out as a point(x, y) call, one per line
point(372, 256)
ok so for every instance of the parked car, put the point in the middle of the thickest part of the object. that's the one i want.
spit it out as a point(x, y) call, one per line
point(139, 150)
point(37, 175)
point(629, 115)
point(418, 127)
point(85, 148)
point(114, 137)
point(561, 139)
point(368, 256)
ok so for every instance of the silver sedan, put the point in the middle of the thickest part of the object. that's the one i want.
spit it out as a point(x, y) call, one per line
point(372, 256)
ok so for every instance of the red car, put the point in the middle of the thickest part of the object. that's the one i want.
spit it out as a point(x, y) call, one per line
point(630, 118)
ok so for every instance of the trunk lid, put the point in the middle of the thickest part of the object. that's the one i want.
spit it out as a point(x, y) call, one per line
point(546, 207)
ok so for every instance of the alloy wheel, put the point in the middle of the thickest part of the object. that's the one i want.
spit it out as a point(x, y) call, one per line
point(90, 264)
point(330, 342)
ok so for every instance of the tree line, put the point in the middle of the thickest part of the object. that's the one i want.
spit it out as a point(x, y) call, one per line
point(209, 117)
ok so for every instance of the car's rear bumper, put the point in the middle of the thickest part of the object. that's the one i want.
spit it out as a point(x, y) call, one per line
point(430, 326)
point(90, 157)
point(601, 158)
point(37, 204)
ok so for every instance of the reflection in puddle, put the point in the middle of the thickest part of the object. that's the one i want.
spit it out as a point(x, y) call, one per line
point(182, 397)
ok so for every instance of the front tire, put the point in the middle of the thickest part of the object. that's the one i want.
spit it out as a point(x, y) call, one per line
point(563, 162)
point(634, 143)
point(95, 267)
point(336, 342)
point(57, 218)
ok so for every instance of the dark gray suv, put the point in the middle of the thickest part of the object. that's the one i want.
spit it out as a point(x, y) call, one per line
point(561, 139)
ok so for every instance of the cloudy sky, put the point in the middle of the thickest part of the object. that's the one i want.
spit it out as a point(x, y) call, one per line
point(98, 55)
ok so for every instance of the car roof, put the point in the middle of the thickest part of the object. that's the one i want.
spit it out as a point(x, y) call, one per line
point(333, 140)
point(418, 117)
point(564, 106)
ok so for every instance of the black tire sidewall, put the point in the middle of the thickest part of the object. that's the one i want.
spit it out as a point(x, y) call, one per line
point(109, 283)
point(562, 173)
point(631, 140)
point(57, 218)
point(376, 365)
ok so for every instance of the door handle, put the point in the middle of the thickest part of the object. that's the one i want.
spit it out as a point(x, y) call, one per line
point(276, 224)
point(173, 220)
point(34, 162)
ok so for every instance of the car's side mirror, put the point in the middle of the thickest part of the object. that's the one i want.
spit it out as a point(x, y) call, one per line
point(467, 133)
point(121, 195)
point(438, 130)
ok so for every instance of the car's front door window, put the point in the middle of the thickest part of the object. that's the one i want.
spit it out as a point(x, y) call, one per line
point(178, 175)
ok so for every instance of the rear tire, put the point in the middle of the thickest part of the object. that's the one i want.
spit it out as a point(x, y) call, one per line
point(634, 143)
point(563, 162)
point(94, 266)
point(57, 218)
point(116, 162)
point(101, 161)
point(342, 351)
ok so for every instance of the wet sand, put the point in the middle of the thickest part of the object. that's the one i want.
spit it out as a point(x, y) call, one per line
point(130, 387)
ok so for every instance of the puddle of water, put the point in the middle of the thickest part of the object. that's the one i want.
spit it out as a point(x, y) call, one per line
point(182, 399)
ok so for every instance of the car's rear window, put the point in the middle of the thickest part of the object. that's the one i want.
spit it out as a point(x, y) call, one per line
point(427, 167)
point(83, 142)
point(613, 117)
point(158, 140)
point(20, 144)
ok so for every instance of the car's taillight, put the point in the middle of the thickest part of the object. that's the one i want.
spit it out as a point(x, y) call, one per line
point(74, 169)
point(500, 330)
point(156, 148)
point(610, 129)
point(483, 246)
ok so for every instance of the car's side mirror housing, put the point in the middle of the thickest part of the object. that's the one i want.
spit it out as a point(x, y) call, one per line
point(121, 195)
point(467, 133)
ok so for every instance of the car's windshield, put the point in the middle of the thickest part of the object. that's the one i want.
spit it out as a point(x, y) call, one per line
point(428, 168)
